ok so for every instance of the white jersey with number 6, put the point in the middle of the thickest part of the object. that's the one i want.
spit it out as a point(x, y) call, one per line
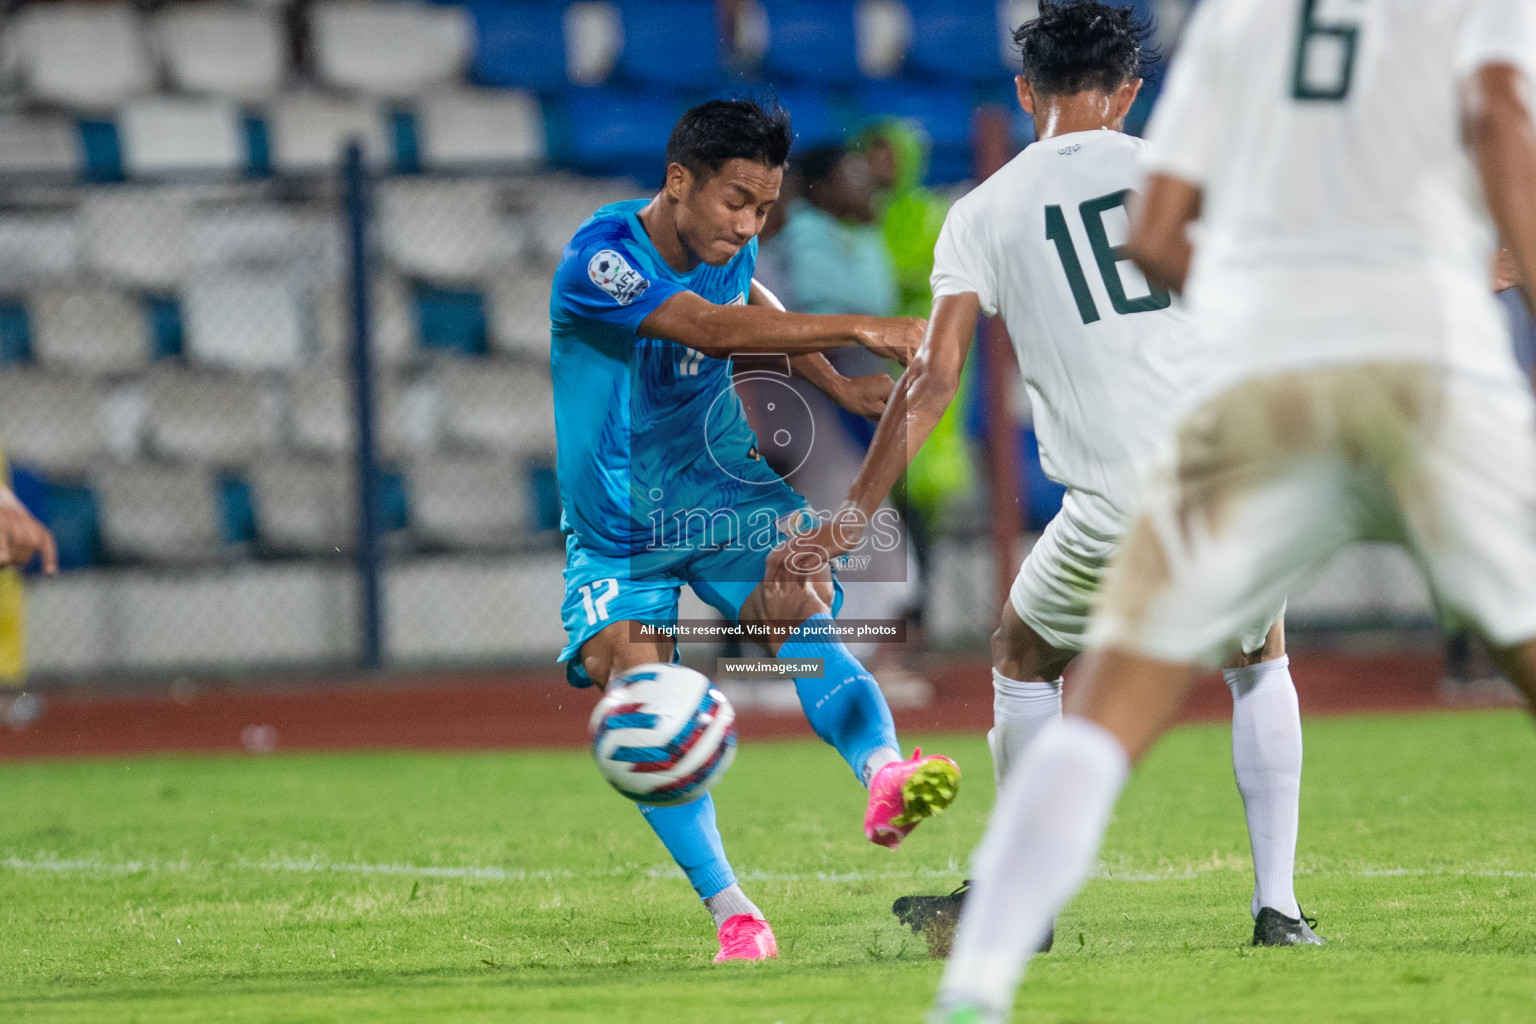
point(1102, 354)
point(1341, 212)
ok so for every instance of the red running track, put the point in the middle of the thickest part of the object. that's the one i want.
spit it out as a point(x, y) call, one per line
point(492, 710)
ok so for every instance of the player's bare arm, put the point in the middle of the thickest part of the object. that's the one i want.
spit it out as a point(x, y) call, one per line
point(863, 396)
point(918, 403)
point(1159, 242)
point(22, 536)
point(721, 331)
point(1501, 136)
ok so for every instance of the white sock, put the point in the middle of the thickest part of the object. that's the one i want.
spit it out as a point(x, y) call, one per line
point(1019, 711)
point(1266, 758)
point(879, 759)
point(1040, 845)
point(729, 902)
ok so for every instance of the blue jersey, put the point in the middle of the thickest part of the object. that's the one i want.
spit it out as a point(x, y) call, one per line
point(646, 429)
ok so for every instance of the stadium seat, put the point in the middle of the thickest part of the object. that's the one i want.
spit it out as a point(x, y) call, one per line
point(943, 113)
point(450, 320)
point(173, 135)
point(305, 506)
point(670, 43)
point(392, 323)
point(959, 40)
point(322, 420)
point(267, 235)
point(884, 32)
point(519, 312)
point(519, 43)
point(396, 48)
point(93, 330)
point(501, 408)
point(52, 422)
point(223, 49)
point(211, 419)
point(558, 203)
point(40, 144)
point(813, 41)
point(467, 502)
point(621, 132)
point(89, 56)
point(594, 35)
point(158, 513)
point(37, 248)
point(815, 120)
point(447, 231)
point(468, 128)
point(137, 236)
point(309, 132)
point(244, 320)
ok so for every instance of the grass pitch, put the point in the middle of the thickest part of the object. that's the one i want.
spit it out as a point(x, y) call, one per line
point(516, 887)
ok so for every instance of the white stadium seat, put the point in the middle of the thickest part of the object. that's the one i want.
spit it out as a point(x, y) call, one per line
point(158, 512)
point(506, 409)
point(45, 144)
point(52, 422)
point(558, 203)
point(393, 324)
point(322, 421)
point(211, 419)
point(245, 320)
point(224, 49)
point(475, 127)
point(394, 49)
point(594, 37)
point(267, 235)
point(94, 330)
point(883, 31)
point(137, 236)
point(454, 231)
point(467, 502)
point(175, 134)
point(305, 505)
point(309, 131)
point(90, 56)
point(37, 248)
point(519, 312)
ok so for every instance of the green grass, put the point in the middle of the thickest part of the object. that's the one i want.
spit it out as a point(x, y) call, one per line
point(332, 888)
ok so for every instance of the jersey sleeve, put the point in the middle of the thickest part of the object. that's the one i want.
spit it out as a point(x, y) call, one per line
point(605, 278)
point(1498, 32)
point(960, 262)
point(1182, 136)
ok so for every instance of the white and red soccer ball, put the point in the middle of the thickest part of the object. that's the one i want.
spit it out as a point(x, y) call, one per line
point(663, 734)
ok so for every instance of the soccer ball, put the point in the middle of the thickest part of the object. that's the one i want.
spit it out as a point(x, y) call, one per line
point(662, 734)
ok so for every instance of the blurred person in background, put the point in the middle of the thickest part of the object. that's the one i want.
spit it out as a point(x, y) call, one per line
point(22, 538)
point(831, 257)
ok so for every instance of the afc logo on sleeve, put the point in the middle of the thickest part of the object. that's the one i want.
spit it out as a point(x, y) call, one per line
point(610, 272)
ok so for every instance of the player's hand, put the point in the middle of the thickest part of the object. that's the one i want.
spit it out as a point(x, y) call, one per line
point(22, 536)
point(812, 552)
point(866, 396)
point(894, 337)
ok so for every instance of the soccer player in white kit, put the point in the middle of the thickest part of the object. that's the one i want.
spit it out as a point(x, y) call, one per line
point(1106, 358)
point(1342, 160)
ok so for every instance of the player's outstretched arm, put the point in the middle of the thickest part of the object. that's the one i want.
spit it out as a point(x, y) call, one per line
point(722, 331)
point(862, 396)
point(1159, 242)
point(918, 403)
point(1501, 137)
point(22, 536)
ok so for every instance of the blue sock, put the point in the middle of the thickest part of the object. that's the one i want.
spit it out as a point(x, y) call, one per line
point(846, 707)
point(688, 832)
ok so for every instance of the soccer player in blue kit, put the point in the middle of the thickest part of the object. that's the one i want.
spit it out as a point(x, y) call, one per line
point(662, 483)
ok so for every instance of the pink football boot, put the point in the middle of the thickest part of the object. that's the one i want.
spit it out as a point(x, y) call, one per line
point(745, 937)
point(903, 793)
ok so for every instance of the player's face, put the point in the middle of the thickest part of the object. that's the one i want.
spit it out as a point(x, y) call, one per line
point(719, 215)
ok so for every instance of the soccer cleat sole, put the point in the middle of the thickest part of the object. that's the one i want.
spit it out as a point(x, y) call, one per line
point(927, 792)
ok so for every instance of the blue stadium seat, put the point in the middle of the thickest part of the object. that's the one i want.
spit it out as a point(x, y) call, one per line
point(815, 120)
point(450, 319)
point(943, 113)
point(956, 39)
point(519, 44)
point(69, 510)
point(619, 132)
point(670, 42)
point(812, 42)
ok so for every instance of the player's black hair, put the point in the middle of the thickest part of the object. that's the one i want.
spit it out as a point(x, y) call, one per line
point(819, 164)
point(1081, 46)
point(710, 134)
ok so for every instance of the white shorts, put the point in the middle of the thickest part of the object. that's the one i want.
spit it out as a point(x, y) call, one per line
point(1058, 585)
point(1269, 479)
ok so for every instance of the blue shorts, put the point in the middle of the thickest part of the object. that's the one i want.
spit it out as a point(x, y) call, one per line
point(604, 589)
